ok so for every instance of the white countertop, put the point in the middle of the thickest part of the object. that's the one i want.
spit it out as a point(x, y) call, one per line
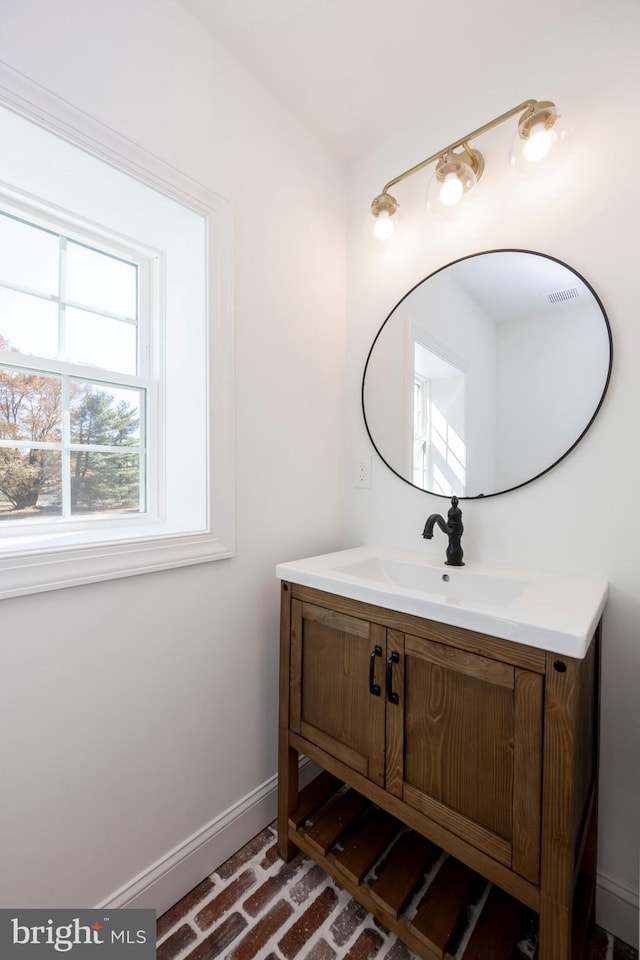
point(550, 611)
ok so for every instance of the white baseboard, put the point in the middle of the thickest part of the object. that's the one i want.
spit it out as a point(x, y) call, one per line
point(617, 908)
point(179, 871)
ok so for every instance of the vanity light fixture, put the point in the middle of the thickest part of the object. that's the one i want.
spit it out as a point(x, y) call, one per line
point(459, 167)
point(455, 174)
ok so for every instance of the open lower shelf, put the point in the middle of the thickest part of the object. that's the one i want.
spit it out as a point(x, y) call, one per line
point(439, 907)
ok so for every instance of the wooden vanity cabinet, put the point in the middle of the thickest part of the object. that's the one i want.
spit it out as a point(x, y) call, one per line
point(484, 748)
point(331, 706)
point(464, 746)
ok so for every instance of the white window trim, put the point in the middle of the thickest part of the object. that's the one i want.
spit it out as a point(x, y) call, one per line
point(70, 561)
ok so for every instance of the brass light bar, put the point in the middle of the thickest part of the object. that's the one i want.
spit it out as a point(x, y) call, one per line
point(544, 111)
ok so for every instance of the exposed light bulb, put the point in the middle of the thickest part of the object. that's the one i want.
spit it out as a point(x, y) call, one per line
point(455, 175)
point(539, 144)
point(451, 190)
point(384, 226)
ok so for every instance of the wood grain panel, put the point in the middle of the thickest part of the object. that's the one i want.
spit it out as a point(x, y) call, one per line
point(527, 774)
point(395, 719)
point(336, 621)
point(311, 797)
point(458, 741)
point(496, 933)
point(335, 819)
point(444, 904)
point(587, 850)
point(582, 919)
point(479, 836)
point(330, 702)
point(569, 766)
point(509, 651)
point(558, 826)
point(407, 863)
point(335, 689)
point(354, 758)
point(377, 709)
point(287, 756)
point(366, 845)
point(555, 935)
point(586, 732)
point(482, 668)
point(295, 677)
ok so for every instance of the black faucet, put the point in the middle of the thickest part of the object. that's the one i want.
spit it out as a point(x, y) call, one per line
point(453, 530)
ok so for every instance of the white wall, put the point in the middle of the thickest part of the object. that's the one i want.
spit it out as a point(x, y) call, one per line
point(583, 517)
point(561, 359)
point(138, 714)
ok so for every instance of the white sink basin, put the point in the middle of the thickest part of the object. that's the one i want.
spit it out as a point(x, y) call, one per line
point(456, 585)
point(547, 610)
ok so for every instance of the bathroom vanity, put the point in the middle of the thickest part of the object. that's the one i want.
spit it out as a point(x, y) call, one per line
point(450, 755)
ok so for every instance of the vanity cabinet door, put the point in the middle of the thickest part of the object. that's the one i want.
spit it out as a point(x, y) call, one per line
point(465, 746)
point(337, 686)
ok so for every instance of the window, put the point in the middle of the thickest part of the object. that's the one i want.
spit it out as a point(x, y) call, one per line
point(73, 444)
point(116, 355)
point(421, 477)
point(439, 448)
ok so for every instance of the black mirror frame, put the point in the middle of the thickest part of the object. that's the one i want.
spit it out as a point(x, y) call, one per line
point(497, 493)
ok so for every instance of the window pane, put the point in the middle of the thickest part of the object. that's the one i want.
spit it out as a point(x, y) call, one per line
point(29, 256)
point(96, 340)
point(105, 482)
point(30, 407)
point(30, 484)
point(103, 415)
point(98, 280)
point(28, 324)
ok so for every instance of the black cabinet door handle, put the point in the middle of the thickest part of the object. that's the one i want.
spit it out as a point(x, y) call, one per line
point(374, 688)
point(391, 696)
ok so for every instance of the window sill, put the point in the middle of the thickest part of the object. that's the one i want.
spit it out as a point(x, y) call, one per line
point(55, 567)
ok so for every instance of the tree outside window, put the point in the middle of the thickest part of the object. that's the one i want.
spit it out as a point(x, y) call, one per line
point(70, 446)
point(101, 423)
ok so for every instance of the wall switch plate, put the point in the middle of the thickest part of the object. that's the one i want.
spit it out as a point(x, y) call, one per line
point(362, 472)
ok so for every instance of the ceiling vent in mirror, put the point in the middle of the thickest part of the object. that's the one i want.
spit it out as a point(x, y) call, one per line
point(560, 296)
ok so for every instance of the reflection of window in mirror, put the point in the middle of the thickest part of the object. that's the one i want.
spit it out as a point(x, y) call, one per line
point(528, 366)
point(439, 445)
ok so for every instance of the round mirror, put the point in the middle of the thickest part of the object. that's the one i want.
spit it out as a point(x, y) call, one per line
point(487, 373)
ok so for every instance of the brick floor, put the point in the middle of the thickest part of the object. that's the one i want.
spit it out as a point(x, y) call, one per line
point(255, 907)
